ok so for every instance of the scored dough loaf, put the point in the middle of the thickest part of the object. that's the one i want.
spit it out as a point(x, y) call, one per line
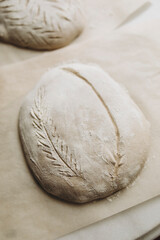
point(40, 24)
point(83, 136)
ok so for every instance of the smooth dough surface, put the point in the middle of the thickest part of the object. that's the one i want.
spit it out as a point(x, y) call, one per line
point(40, 24)
point(83, 136)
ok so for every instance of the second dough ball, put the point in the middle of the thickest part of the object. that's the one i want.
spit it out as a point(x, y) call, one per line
point(40, 24)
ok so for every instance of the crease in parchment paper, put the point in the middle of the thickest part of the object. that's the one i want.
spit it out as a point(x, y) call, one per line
point(135, 14)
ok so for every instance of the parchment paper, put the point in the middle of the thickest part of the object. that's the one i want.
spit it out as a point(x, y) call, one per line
point(100, 16)
point(27, 212)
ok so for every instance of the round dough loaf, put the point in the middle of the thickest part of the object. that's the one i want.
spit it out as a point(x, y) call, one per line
point(83, 136)
point(40, 24)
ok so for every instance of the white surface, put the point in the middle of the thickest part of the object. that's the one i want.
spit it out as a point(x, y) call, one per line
point(142, 221)
point(130, 224)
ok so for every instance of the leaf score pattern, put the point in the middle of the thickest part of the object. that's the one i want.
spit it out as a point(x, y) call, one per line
point(53, 147)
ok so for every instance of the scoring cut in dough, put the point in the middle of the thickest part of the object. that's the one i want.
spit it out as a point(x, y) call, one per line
point(83, 136)
point(40, 24)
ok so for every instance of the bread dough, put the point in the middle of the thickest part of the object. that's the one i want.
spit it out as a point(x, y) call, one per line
point(83, 136)
point(40, 24)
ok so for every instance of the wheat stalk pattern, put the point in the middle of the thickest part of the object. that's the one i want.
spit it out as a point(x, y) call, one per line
point(54, 148)
point(115, 158)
